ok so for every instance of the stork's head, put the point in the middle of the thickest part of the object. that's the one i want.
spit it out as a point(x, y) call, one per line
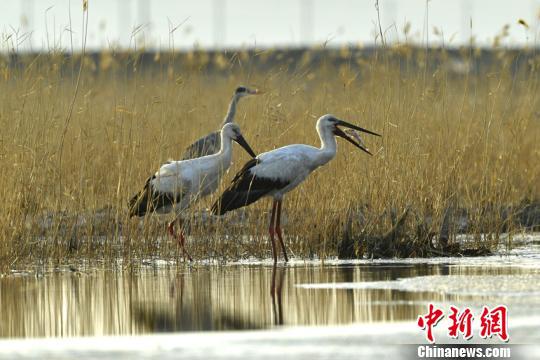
point(331, 123)
point(232, 131)
point(242, 91)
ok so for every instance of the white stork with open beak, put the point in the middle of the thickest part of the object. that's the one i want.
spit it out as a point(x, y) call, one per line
point(275, 173)
point(177, 184)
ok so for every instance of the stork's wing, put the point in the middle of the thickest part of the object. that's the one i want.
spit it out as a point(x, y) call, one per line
point(207, 145)
point(246, 188)
point(160, 192)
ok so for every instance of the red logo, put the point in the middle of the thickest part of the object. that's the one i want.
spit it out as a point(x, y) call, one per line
point(429, 320)
point(492, 322)
point(461, 323)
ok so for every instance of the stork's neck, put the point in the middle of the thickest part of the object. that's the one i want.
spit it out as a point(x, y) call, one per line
point(224, 155)
point(229, 118)
point(328, 148)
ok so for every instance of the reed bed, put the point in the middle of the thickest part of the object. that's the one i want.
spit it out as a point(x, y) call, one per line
point(457, 139)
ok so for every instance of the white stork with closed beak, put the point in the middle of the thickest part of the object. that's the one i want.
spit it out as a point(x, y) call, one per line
point(177, 184)
point(275, 173)
point(211, 143)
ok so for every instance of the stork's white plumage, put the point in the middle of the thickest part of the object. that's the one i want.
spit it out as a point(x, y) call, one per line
point(177, 184)
point(276, 172)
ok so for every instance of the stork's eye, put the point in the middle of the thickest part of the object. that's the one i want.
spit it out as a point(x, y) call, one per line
point(240, 89)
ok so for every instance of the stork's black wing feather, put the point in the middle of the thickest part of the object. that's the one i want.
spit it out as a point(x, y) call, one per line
point(147, 200)
point(245, 189)
point(207, 145)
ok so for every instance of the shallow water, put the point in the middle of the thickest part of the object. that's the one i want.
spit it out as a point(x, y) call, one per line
point(352, 300)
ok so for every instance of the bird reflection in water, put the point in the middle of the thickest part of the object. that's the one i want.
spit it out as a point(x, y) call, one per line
point(276, 290)
point(192, 309)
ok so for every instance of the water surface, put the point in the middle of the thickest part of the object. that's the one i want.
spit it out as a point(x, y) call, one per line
point(157, 298)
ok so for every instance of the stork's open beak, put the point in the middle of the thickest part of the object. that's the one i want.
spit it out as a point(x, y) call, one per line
point(340, 133)
point(255, 92)
point(243, 143)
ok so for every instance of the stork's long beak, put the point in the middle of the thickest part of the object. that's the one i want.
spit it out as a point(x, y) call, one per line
point(340, 133)
point(243, 143)
point(255, 92)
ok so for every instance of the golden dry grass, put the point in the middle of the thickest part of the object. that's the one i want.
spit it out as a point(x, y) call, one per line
point(464, 140)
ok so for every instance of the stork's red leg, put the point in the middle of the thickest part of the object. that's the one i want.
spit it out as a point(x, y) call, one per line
point(278, 230)
point(180, 239)
point(170, 228)
point(273, 231)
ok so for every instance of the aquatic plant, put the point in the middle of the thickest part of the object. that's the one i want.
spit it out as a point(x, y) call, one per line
point(460, 142)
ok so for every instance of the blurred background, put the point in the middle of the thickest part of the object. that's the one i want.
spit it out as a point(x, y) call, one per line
point(36, 25)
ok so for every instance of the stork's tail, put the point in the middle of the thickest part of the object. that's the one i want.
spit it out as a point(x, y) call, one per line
point(139, 204)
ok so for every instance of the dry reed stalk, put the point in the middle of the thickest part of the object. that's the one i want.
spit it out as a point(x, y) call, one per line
point(465, 140)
